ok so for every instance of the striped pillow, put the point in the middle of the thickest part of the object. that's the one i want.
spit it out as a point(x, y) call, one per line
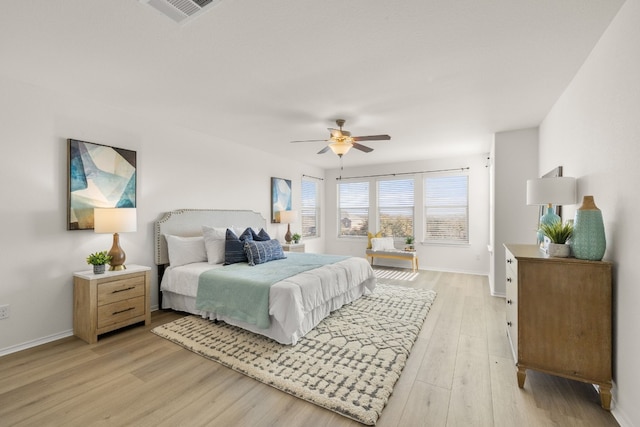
point(234, 246)
point(261, 252)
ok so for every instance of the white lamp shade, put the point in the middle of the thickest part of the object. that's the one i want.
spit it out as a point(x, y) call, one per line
point(555, 191)
point(340, 148)
point(114, 220)
point(288, 217)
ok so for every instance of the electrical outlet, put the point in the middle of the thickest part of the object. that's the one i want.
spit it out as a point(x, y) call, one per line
point(4, 311)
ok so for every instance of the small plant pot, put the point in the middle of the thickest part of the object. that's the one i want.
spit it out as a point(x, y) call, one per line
point(98, 269)
point(559, 250)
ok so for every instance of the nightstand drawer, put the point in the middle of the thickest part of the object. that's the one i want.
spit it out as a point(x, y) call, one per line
point(119, 290)
point(120, 311)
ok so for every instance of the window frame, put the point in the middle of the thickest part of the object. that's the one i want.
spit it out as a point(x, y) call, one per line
point(464, 206)
point(339, 210)
point(316, 207)
point(378, 205)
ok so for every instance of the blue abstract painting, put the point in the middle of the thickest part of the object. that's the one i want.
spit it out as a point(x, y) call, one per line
point(100, 176)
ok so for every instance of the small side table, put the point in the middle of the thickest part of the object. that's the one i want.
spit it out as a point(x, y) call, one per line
point(293, 247)
point(110, 301)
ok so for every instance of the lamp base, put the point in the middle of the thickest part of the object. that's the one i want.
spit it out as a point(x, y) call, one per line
point(117, 255)
point(287, 237)
point(118, 267)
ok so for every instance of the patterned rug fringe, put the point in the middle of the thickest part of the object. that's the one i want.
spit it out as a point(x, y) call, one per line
point(348, 364)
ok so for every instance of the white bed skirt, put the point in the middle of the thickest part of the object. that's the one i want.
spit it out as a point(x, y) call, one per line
point(187, 304)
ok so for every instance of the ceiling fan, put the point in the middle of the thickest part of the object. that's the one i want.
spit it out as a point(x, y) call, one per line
point(341, 141)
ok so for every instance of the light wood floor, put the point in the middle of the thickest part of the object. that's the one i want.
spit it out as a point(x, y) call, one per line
point(460, 373)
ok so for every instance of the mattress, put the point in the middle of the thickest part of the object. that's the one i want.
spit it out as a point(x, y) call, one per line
point(296, 304)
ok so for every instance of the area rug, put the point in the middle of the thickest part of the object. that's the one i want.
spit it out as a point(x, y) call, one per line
point(348, 364)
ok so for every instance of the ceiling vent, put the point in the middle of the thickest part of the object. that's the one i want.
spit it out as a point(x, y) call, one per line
point(181, 11)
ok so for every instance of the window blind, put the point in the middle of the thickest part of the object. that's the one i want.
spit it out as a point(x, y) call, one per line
point(447, 209)
point(310, 208)
point(396, 207)
point(353, 208)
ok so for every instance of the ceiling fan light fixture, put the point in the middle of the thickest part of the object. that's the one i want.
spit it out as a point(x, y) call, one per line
point(340, 148)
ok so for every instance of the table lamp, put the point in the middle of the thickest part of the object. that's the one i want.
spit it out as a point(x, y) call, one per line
point(287, 217)
point(551, 191)
point(115, 220)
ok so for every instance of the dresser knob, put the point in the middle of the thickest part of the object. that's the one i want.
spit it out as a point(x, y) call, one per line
point(509, 279)
point(509, 302)
point(509, 261)
point(509, 324)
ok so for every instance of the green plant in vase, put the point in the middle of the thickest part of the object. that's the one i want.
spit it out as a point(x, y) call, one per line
point(296, 238)
point(409, 242)
point(98, 260)
point(559, 234)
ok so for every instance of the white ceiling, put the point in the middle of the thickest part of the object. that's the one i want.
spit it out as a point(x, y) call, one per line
point(439, 76)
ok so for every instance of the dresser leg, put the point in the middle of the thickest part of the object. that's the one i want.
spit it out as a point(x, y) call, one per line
point(605, 396)
point(522, 375)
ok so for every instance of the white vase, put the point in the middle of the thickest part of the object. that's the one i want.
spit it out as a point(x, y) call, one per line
point(559, 250)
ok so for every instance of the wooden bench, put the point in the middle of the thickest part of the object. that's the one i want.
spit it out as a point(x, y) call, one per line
point(395, 254)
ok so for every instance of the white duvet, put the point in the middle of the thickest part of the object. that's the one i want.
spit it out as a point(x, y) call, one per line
point(296, 304)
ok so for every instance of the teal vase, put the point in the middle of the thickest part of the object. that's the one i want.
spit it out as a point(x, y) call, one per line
point(588, 240)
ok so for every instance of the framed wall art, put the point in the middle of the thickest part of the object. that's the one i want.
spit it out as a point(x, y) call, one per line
point(280, 197)
point(99, 176)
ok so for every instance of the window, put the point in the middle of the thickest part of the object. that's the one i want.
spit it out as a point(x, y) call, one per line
point(395, 207)
point(446, 209)
point(310, 209)
point(353, 208)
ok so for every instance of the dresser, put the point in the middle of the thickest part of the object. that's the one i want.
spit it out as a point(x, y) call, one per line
point(106, 302)
point(558, 313)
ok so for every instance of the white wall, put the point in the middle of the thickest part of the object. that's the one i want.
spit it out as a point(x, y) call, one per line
point(472, 258)
point(177, 168)
point(514, 156)
point(594, 132)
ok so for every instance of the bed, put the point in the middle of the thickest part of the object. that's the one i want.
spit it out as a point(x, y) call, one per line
point(296, 304)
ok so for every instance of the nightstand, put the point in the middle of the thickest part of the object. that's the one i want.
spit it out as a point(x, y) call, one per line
point(106, 302)
point(293, 247)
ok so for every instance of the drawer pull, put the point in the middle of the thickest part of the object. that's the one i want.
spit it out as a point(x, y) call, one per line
point(509, 324)
point(509, 279)
point(123, 290)
point(509, 302)
point(123, 311)
point(509, 261)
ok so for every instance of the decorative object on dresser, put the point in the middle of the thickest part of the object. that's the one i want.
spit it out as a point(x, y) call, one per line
point(559, 316)
point(288, 217)
point(549, 192)
point(98, 176)
point(589, 240)
point(349, 363)
point(559, 235)
point(98, 260)
point(110, 301)
point(296, 238)
point(115, 220)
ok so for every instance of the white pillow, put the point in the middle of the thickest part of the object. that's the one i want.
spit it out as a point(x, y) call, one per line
point(185, 250)
point(214, 238)
point(382, 243)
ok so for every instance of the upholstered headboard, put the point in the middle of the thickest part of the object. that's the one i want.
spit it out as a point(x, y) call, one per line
point(189, 222)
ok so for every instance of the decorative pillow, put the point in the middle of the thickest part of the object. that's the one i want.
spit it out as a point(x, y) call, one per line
point(259, 252)
point(262, 236)
point(185, 250)
point(372, 236)
point(234, 246)
point(214, 239)
point(382, 243)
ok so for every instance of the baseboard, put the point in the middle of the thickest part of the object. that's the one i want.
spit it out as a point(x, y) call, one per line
point(35, 343)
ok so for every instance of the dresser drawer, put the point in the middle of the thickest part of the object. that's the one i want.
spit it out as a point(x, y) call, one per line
point(120, 311)
point(119, 290)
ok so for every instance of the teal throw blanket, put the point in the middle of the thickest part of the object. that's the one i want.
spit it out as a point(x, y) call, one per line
point(241, 292)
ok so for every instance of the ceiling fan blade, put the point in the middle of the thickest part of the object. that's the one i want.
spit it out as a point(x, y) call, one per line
point(310, 140)
point(324, 150)
point(362, 147)
point(372, 138)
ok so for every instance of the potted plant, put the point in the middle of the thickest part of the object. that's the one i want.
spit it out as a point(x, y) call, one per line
point(409, 241)
point(296, 238)
point(98, 260)
point(558, 233)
